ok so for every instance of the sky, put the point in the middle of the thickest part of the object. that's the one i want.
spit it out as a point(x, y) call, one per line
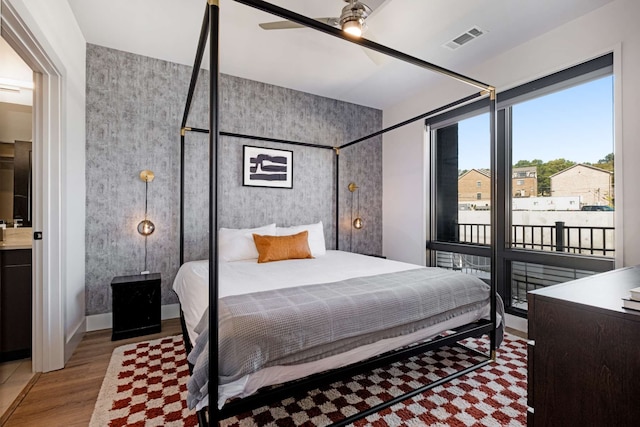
point(575, 124)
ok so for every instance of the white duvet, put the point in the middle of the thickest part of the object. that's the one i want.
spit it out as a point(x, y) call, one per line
point(243, 277)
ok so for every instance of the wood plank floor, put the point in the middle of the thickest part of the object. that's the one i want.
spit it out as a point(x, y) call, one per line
point(67, 397)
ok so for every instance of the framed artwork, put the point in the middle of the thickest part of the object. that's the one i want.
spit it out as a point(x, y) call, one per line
point(266, 167)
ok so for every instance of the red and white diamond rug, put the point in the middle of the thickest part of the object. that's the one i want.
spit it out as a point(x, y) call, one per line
point(494, 395)
point(145, 385)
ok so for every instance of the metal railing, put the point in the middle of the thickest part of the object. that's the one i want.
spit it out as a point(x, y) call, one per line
point(558, 237)
point(527, 277)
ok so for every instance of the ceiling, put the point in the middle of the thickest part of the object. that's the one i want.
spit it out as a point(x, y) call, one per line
point(306, 60)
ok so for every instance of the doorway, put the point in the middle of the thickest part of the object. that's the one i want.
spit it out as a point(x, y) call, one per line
point(16, 207)
point(48, 307)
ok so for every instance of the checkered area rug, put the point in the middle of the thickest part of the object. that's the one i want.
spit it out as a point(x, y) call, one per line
point(494, 395)
point(145, 385)
point(148, 388)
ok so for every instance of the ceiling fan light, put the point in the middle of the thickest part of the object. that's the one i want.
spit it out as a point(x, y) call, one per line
point(353, 27)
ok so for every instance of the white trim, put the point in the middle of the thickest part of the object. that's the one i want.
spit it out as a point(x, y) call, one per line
point(48, 347)
point(170, 311)
point(74, 340)
point(517, 323)
point(619, 160)
point(97, 322)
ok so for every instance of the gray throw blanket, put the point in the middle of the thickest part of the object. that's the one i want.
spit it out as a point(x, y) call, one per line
point(306, 323)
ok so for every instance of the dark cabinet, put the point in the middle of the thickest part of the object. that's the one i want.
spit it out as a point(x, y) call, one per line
point(584, 353)
point(15, 304)
point(135, 305)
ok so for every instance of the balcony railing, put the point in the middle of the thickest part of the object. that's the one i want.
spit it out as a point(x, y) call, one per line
point(558, 237)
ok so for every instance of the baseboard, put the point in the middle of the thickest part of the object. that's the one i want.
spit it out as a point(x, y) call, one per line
point(517, 323)
point(170, 311)
point(73, 341)
point(96, 322)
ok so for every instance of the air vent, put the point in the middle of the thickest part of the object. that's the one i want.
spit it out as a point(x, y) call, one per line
point(464, 38)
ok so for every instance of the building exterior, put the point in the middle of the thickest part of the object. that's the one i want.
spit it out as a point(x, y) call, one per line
point(524, 182)
point(474, 186)
point(593, 185)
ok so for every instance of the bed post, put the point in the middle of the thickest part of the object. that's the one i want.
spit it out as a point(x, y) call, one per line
point(214, 75)
point(494, 219)
point(187, 109)
point(337, 151)
point(182, 133)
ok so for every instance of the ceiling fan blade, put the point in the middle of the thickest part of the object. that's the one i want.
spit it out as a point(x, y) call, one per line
point(279, 25)
point(286, 25)
point(377, 57)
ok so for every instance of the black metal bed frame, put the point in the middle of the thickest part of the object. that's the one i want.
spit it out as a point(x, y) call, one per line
point(210, 28)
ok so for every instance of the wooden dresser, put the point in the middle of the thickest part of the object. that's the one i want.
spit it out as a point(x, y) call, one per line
point(584, 353)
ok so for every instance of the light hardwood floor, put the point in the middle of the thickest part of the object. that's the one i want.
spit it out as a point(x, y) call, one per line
point(67, 397)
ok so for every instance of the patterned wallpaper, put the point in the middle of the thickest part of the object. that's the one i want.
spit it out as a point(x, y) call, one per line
point(134, 109)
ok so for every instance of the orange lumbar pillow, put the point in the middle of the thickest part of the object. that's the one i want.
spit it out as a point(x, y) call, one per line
point(278, 248)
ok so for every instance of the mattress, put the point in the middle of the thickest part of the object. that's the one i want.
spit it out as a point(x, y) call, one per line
point(245, 277)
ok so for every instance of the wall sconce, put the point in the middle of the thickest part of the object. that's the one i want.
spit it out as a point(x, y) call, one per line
point(357, 222)
point(146, 227)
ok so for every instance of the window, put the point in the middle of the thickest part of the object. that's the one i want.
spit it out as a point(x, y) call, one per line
point(527, 277)
point(558, 176)
point(467, 163)
point(470, 264)
point(574, 162)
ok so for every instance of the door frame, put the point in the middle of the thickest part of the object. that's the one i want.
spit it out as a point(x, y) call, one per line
point(48, 342)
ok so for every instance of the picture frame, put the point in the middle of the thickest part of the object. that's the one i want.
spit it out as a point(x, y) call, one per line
point(267, 167)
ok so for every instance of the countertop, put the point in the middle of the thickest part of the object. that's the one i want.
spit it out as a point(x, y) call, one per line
point(16, 238)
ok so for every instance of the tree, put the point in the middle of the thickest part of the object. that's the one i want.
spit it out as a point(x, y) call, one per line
point(606, 163)
point(550, 168)
point(527, 163)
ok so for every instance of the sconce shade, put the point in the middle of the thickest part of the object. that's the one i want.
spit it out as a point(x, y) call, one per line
point(357, 223)
point(147, 175)
point(146, 227)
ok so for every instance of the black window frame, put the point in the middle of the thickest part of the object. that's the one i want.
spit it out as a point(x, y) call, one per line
point(501, 171)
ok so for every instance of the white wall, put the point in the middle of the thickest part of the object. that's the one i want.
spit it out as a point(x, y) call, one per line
point(610, 28)
point(54, 27)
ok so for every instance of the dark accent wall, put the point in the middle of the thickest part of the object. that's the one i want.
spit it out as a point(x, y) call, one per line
point(134, 108)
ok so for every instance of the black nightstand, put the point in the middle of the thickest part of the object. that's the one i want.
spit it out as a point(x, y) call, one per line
point(136, 305)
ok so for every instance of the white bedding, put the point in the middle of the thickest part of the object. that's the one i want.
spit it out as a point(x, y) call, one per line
point(241, 277)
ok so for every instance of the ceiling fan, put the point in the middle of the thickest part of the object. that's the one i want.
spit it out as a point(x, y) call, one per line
point(352, 20)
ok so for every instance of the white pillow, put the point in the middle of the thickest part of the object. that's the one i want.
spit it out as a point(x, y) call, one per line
point(235, 244)
point(316, 236)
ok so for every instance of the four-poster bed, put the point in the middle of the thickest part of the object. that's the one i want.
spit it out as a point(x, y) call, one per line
point(468, 328)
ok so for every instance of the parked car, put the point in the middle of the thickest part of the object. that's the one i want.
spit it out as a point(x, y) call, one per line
point(596, 208)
